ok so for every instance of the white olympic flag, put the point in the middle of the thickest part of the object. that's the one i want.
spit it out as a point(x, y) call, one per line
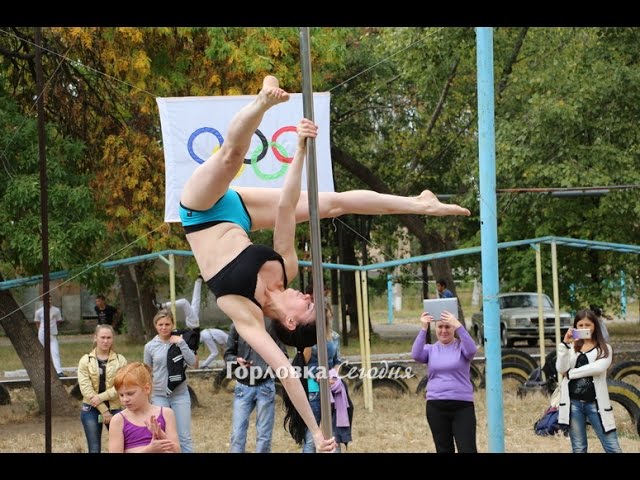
point(194, 127)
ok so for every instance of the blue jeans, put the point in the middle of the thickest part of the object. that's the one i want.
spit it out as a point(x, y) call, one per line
point(180, 403)
point(580, 411)
point(309, 446)
point(245, 398)
point(92, 428)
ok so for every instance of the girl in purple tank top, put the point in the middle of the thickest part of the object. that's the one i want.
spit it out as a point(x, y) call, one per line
point(141, 427)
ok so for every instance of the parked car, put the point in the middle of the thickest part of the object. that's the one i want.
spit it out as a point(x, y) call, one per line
point(519, 319)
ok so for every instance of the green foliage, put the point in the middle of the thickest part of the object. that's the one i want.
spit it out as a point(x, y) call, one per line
point(403, 109)
point(73, 224)
point(565, 120)
point(96, 278)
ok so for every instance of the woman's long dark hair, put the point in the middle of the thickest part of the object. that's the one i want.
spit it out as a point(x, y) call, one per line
point(300, 338)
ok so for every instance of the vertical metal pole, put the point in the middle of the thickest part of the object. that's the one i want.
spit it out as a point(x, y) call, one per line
point(172, 285)
point(363, 350)
point(623, 297)
point(390, 299)
point(367, 380)
point(343, 304)
point(44, 220)
point(556, 293)
point(541, 324)
point(489, 238)
point(314, 227)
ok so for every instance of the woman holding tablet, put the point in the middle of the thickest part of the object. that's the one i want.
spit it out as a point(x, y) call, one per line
point(450, 410)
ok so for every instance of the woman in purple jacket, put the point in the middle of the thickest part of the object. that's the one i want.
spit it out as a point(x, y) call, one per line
point(450, 411)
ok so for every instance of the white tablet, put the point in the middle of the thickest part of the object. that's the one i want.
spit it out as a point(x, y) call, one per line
point(435, 306)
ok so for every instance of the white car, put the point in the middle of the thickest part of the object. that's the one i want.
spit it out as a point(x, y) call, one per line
point(519, 319)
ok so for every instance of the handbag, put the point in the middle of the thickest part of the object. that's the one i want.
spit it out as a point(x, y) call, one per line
point(580, 387)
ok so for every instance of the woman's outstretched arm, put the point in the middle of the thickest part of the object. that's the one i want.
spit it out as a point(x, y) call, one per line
point(285, 222)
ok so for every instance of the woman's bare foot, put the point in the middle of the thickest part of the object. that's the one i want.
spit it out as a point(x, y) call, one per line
point(270, 82)
point(271, 93)
point(430, 205)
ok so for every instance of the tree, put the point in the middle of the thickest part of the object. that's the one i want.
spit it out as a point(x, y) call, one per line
point(109, 78)
point(72, 226)
point(567, 120)
point(392, 121)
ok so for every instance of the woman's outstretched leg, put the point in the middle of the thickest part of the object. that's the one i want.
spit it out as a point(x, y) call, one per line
point(211, 179)
point(262, 204)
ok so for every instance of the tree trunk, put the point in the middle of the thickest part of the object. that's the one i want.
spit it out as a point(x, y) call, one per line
point(424, 266)
point(442, 270)
point(147, 292)
point(131, 302)
point(25, 342)
point(347, 281)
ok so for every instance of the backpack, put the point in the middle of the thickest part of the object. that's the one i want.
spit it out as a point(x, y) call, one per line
point(176, 368)
point(548, 424)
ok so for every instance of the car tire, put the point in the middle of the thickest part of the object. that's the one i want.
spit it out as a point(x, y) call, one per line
point(223, 384)
point(505, 341)
point(386, 387)
point(5, 397)
point(549, 367)
point(626, 395)
point(514, 371)
point(513, 355)
point(75, 392)
point(193, 397)
point(624, 369)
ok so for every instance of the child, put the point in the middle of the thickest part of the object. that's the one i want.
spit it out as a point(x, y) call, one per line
point(141, 427)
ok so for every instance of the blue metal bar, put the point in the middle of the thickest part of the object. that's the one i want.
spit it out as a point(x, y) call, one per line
point(21, 282)
point(489, 239)
point(333, 266)
point(597, 245)
point(570, 242)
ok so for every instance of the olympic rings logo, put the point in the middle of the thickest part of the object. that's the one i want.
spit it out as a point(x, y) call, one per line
point(279, 150)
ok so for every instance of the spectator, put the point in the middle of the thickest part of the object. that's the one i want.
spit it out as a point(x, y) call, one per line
point(212, 337)
point(342, 434)
point(191, 310)
point(253, 391)
point(443, 291)
point(96, 374)
point(141, 427)
point(156, 355)
point(584, 395)
point(450, 410)
point(55, 317)
point(107, 314)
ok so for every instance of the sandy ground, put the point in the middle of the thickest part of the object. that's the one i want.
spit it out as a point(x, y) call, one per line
point(395, 425)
